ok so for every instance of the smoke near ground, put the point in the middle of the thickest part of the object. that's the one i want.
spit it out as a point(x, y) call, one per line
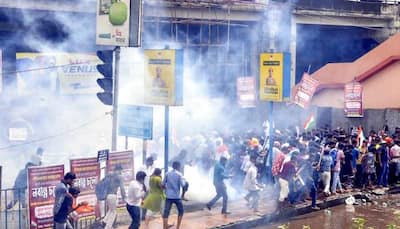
point(77, 126)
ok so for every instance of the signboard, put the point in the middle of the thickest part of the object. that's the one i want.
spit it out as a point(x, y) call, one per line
point(41, 186)
point(125, 160)
point(246, 91)
point(66, 73)
point(118, 23)
point(306, 90)
point(135, 121)
point(274, 76)
point(18, 134)
point(164, 84)
point(87, 171)
point(102, 155)
point(353, 100)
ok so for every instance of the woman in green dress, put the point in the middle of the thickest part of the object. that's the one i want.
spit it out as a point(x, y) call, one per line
point(156, 194)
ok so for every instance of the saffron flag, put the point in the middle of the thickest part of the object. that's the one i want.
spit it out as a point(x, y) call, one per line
point(310, 122)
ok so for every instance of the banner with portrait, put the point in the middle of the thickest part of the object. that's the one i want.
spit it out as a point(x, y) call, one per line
point(274, 76)
point(164, 81)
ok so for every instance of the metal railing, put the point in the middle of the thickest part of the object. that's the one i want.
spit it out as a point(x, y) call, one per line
point(13, 209)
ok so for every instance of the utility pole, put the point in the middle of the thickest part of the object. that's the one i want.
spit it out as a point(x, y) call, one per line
point(117, 52)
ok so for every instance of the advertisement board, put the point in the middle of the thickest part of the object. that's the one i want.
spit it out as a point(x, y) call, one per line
point(353, 100)
point(135, 121)
point(41, 186)
point(305, 90)
point(274, 76)
point(64, 73)
point(118, 23)
point(246, 92)
point(87, 171)
point(164, 84)
point(125, 160)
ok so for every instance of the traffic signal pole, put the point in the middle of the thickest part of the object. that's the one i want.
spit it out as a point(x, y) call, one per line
point(117, 52)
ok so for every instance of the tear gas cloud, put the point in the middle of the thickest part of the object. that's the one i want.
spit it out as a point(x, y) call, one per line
point(77, 126)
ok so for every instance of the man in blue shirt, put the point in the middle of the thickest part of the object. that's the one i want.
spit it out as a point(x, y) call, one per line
point(220, 188)
point(172, 183)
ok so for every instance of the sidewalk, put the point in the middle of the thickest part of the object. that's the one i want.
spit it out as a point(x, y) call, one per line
point(240, 215)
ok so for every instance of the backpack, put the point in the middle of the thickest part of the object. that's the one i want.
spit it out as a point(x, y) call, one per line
point(102, 189)
point(333, 154)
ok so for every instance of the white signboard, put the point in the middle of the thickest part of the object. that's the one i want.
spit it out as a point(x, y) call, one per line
point(118, 22)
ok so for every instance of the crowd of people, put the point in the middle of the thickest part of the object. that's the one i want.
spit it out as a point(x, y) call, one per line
point(305, 166)
point(300, 167)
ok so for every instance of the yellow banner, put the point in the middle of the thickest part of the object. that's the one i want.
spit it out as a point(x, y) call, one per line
point(271, 76)
point(160, 82)
point(67, 73)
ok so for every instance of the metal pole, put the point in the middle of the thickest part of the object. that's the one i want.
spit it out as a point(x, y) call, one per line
point(271, 132)
point(144, 150)
point(166, 139)
point(117, 51)
point(126, 142)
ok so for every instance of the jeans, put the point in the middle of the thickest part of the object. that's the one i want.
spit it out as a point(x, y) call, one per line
point(313, 194)
point(65, 225)
point(168, 205)
point(221, 192)
point(336, 181)
point(134, 212)
point(383, 178)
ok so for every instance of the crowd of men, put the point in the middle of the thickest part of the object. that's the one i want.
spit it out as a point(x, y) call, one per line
point(305, 167)
point(300, 167)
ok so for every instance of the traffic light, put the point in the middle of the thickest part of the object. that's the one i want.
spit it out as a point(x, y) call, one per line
point(106, 83)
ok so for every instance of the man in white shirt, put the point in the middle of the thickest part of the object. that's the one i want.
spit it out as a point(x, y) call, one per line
point(251, 185)
point(136, 192)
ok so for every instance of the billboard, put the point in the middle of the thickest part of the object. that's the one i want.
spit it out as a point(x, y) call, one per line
point(164, 84)
point(246, 92)
point(135, 121)
point(41, 186)
point(118, 23)
point(274, 76)
point(353, 100)
point(125, 159)
point(87, 172)
point(305, 90)
point(64, 73)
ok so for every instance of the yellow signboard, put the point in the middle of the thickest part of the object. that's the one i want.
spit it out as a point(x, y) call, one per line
point(163, 84)
point(271, 77)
